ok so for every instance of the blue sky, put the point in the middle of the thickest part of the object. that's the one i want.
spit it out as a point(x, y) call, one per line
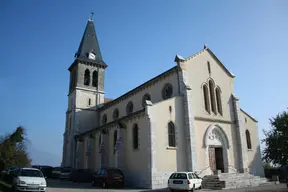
point(138, 40)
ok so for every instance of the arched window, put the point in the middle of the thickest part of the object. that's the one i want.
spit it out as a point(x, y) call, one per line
point(104, 119)
point(212, 96)
point(206, 98)
point(129, 108)
point(115, 113)
point(115, 139)
point(218, 99)
point(95, 79)
point(87, 77)
point(145, 98)
point(248, 139)
point(135, 137)
point(167, 91)
point(171, 135)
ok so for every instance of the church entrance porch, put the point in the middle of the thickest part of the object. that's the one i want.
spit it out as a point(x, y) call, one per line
point(216, 145)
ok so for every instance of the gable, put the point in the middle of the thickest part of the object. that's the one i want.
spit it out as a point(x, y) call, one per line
point(220, 63)
point(206, 49)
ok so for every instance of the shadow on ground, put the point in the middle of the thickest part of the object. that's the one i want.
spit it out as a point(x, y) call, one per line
point(54, 183)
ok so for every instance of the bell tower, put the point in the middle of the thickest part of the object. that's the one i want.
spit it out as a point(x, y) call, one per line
point(86, 91)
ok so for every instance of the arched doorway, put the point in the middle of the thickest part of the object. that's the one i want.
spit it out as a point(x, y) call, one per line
point(216, 146)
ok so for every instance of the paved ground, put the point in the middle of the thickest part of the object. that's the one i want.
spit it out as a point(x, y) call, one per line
point(65, 186)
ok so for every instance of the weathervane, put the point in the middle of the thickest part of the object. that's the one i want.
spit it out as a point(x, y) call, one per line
point(91, 17)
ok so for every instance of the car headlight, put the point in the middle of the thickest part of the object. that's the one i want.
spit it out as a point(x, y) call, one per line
point(43, 183)
point(21, 182)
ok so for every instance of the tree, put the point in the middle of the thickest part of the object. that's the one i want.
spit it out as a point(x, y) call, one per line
point(13, 150)
point(276, 141)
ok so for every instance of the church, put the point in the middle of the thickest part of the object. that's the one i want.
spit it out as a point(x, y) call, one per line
point(185, 119)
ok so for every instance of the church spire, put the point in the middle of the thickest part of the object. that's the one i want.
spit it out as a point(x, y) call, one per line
point(89, 49)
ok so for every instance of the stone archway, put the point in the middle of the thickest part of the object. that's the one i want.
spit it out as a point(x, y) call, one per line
point(216, 145)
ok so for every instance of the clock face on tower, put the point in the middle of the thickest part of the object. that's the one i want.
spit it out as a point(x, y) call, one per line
point(91, 56)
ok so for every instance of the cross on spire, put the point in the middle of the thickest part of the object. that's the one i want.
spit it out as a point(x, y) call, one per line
point(91, 16)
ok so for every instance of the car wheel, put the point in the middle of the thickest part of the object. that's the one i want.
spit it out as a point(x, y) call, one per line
point(193, 188)
point(104, 185)
point(200, 187)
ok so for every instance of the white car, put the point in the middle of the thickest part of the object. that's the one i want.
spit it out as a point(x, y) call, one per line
point(29, 179)
point(184, 181)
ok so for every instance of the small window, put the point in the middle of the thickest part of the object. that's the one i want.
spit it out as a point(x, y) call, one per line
point(135, 137)
point(170, 109)
point(129, 108)
point(145, 98)
point(115, 113)
point(171, 135)
point(190, 176)
point(208, 66)
point(104, 119)
point(167, 91)
point(245, 120)
point(248, 139)
point(89, 101)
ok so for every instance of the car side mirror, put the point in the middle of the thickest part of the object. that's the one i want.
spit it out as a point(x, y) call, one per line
point(45, 177)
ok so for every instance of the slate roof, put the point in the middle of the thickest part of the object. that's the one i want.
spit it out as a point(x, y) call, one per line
point(89, 43)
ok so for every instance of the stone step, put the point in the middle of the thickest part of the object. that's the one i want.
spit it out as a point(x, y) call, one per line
point(240, 180)
point(233, 180)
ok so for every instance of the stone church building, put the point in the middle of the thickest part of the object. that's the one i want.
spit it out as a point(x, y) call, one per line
point(185, 119)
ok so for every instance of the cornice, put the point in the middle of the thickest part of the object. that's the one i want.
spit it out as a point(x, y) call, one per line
point(214, 120)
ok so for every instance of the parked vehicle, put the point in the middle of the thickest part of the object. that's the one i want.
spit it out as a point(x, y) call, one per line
point(56, 172)
point(46, 170)
point(65, 173)
point(108, 177)
point(184, 181)
point(7, 175)
point(28, 179)
point(11, 169)
point(82, 175)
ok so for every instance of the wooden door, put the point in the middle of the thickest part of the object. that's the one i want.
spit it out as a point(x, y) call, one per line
point(212, 160)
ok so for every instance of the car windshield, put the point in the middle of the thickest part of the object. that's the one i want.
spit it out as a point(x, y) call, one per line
point(30, 173)
point(178, 176)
